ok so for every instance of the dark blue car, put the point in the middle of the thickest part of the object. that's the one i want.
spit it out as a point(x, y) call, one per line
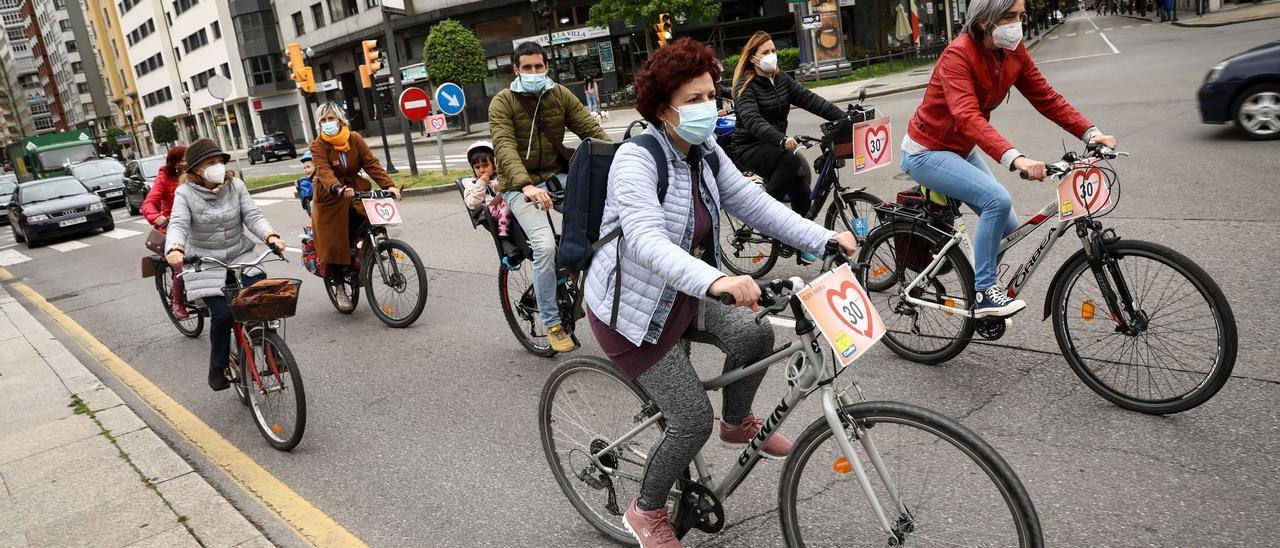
point(1245, 89)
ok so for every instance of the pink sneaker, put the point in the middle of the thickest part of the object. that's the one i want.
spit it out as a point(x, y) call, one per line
point(777, 447)
point(650, 527)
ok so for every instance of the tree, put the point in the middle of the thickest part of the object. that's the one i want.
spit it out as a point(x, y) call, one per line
point(113, 146)
point(452, 53)
point(164, 130)
point(646, 12)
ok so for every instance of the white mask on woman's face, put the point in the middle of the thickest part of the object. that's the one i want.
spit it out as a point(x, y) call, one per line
point(769, 63)
point(1007, 36)
point(214, 174)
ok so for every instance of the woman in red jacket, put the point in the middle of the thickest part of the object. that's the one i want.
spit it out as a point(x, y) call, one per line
point(972, 77)
point(156, 209)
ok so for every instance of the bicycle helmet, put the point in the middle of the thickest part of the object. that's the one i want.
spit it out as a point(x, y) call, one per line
point(725, 125)
point(479, 146)
point(306, 156)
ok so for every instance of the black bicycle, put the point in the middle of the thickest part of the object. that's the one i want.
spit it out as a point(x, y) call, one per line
point(747, 251)
point(191, 326)
point(400, 292)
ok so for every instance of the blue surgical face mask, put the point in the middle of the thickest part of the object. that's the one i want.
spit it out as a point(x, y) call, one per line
point(531, 83)
point(697, 121)
point(330, 128)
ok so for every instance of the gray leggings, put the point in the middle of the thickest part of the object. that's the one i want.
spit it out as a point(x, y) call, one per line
point(674, 386)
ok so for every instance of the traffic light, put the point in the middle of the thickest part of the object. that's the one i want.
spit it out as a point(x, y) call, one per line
point(299, 71)
point(372, 62)
point(663, 28)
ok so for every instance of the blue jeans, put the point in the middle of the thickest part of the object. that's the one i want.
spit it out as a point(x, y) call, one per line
point(537, 229)
point(593, 103)
point(969, 180)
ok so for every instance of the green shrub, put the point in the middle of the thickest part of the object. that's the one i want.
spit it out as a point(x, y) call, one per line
point(789, 59)
point(730, 63)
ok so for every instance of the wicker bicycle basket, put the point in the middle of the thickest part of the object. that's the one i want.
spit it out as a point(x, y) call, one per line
point(268, 299)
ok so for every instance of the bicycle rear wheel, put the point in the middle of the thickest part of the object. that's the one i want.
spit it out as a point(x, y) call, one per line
point(395, 281)
point(918, 333)
point(586, 405)
point(353, 291)
point(520, 307)
point(277, 400)
point(956, 490)
point(1178, 360)
point(193, 325)
point(745, 250)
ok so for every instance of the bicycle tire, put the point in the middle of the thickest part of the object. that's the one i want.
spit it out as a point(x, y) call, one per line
point(861, 204)
point(603, 371)
point(1200, 281)
point(280, 443)
point(521, 317)
point(384, 310)
point(1008, 488)
point(194, 324)
point(887, 297)
point(735, 237)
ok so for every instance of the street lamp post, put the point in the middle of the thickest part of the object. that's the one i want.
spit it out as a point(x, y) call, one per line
point(186, 101)
point(93, 134)
point(133, 133)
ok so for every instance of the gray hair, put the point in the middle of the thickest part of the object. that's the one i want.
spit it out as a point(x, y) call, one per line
point(985, 12)
point(330, 108)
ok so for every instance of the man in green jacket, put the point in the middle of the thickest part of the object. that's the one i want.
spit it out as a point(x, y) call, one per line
point(527, 158)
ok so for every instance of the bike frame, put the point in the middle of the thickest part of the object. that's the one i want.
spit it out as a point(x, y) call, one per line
point(809, 360)
point(242, 341)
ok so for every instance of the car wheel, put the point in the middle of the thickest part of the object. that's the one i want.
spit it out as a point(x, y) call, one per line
point(111, 225)
point(1257, 112)
point(293, 154)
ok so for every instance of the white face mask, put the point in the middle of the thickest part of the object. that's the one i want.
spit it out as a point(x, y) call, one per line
point(1007, 36)
point(769, 63)
point(215, 173)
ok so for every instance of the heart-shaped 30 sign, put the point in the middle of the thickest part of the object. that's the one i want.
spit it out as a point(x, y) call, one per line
point(877, 142)
point(386, 211)
point(872, 142)
point(852, 308)
point(843, 312)
point(382, 211)
point(1089, 187)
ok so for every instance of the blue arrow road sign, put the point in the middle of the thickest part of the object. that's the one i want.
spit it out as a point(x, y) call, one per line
point(449, 99)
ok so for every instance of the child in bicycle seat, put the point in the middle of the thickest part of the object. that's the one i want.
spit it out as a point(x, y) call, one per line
point(482, 189)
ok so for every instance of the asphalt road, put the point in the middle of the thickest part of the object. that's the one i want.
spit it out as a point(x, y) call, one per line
point(426, 436)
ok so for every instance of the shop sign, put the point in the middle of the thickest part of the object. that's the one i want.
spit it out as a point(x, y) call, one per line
point(563, 37)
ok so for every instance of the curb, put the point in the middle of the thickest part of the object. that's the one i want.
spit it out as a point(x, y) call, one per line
point(272, 186)
point(1194, 25)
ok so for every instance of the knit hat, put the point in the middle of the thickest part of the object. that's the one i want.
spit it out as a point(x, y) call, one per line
point(202, 150)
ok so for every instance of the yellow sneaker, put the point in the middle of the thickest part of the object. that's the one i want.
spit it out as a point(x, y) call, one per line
point(560, 339)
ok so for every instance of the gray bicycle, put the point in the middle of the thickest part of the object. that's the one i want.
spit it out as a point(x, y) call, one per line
point(925, 479)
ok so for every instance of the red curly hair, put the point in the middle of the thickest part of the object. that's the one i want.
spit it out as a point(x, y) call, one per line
point(669, 68)
point(172, 159)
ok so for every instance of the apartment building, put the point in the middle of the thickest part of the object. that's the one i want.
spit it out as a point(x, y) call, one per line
point(274, 100)
point(10, 125)
point(125, 110)
point(30, 107)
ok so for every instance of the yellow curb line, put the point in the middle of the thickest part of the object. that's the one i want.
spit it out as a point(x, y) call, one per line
point(309, 522)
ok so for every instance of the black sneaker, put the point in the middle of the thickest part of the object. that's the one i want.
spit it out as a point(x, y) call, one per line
point(218, 379)
point(995, 301)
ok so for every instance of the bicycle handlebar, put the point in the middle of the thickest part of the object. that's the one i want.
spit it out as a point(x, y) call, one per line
point(773, 288)
point(1092, 150)
point(373, 195)
point(200, 262)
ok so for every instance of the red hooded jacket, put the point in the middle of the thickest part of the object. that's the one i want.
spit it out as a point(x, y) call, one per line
point(160, 199)
point(969, 81)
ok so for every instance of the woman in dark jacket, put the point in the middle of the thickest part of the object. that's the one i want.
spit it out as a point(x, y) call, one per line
point(763, 98)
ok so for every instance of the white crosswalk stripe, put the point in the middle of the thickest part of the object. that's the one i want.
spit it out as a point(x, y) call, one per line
point(1053, 37)
point(1070, 35)
point(11, 257)
point(142, 221)
point(121, 233)
point(1125, 27)
point(1109, 28)
point(68, 246)
point(1090, 31)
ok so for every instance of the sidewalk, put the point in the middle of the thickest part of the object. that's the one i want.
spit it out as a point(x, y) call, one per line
point(1229, 15)
point(79, 468)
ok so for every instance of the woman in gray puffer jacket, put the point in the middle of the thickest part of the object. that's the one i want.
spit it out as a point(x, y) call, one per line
point(211, 210)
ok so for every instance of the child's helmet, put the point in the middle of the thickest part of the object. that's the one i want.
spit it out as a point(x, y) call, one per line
point(306, 156)
point(479, 146)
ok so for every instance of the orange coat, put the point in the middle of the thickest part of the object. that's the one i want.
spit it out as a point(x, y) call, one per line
point(329, 211)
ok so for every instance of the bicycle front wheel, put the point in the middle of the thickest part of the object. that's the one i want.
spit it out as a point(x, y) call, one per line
point(954, 489)
point(395, 281)
point(745, 250)
point(586, 405)
point(277, 400)
point(193, 324)
point(1183, 346)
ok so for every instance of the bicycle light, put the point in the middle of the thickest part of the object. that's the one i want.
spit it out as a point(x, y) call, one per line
point(1087, 310)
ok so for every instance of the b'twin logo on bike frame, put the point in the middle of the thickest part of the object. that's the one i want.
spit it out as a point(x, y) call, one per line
point(769, 425)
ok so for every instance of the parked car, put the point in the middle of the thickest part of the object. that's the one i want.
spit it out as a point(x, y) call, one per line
point(138, 178)
point(48, 208)
point(1245, 89)
point(104, 177)
point(272, 147)
point(8, 184)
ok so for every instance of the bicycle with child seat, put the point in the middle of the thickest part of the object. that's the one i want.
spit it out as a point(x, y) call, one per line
point(389, 270)
point(926, 478)
point(1142, 325)
point(747, 251)
point(515, 282)
point(263, 371)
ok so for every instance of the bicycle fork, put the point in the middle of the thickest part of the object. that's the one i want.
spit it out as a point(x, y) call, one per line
point(832, 405)
point(1111, 282)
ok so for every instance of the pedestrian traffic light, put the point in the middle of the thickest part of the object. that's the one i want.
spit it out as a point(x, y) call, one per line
point(372, 62)
point(663, 28)
point(299, 72)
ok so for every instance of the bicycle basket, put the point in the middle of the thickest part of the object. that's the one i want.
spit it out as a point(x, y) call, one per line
point(841, 132)
point(268, 299)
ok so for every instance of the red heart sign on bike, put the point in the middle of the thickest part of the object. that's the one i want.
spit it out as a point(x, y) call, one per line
point(843, 312)
point(382, 211)
point(872, 143)
point(1083, 191)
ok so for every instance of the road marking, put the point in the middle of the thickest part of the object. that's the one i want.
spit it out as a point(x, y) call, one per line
point(1146, 24)
point(782, 322)
point(1125, 27)
point(8, 246)
point(9, 257)
point(69, 246)
point(1090, 31)
point(1109, 28)
point(306, 519)
point(1095, 25)
point(143, 222)
point(1053, 37)
point(265, 202)
point(1070, 35)
point(121, 233)
point(1109, 44)
point(1074, 58)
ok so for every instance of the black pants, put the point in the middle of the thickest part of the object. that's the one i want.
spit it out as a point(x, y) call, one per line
point(220, 327)
point(785, 173)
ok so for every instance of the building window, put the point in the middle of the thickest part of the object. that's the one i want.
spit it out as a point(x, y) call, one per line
point(59, 4)
point(196, 41)
point(263, 70)
point(180, 6)
point(317, 14)
point(217, 30)
point(65, 25)
point(299, 26)
point(341, 9)
point(253, 27)
point(151, 63)
point(127, 5)
point(370, 3)
point(201, 81)
point(83, 88)
point(77, 67)
point(156, 97)
point(226, 71)
point(71, 46)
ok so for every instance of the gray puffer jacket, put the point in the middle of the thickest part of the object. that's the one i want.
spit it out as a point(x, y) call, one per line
point(657, 237)
point(212, 225)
